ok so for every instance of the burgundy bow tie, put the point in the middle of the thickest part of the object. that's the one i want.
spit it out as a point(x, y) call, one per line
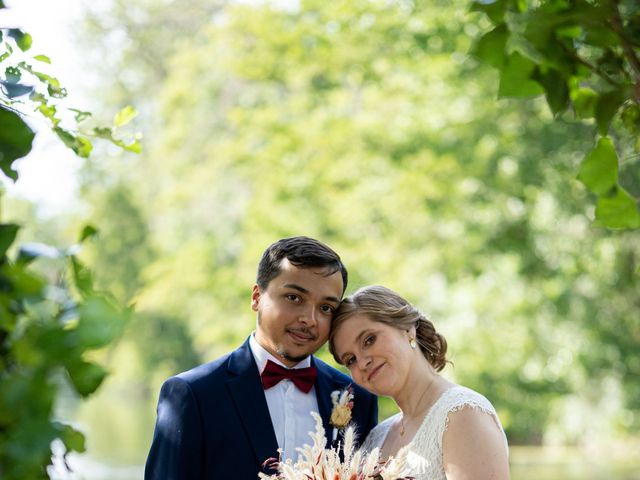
point(303, 378)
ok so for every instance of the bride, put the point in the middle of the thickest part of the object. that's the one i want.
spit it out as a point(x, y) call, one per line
point(391, 349)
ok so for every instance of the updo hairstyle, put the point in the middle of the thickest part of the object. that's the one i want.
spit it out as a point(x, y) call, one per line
point(381, 304)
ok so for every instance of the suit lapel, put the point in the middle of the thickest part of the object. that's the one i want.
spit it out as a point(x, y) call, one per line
point(247, 393)
point(325, 384)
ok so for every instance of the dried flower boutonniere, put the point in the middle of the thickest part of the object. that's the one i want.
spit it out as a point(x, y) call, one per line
point(341, 413)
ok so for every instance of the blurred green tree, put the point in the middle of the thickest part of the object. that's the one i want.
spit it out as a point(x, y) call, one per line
point(366, 124)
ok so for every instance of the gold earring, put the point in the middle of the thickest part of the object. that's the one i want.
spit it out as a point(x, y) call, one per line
point(413, 343)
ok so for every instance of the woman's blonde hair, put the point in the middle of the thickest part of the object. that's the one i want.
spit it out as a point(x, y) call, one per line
point(381, 304)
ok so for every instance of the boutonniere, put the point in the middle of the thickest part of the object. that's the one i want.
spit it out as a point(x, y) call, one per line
point(342, 406)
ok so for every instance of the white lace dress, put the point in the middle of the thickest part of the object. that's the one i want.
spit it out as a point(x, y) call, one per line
point(425, 455)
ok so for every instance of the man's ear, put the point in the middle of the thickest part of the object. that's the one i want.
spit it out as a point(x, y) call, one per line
point(255, 297)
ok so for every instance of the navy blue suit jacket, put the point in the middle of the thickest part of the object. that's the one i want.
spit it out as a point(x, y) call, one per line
point(213, 421)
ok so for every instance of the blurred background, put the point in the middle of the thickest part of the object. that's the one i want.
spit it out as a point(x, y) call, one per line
point(367, 125)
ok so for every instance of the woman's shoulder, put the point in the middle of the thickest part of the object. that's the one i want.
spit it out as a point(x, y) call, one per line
point(459, 397)
point(469, 409)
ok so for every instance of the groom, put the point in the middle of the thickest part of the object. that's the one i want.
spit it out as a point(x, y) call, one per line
point(222, 420)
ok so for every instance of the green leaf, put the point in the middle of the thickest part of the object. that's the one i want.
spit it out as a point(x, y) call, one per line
point(599, 34)
point(16, 139)
point(73, 439)
point(42, 58)
point(82, 277)
point(584, 102)
point(23, 39)
point(135, 146)
point(124, 116)
point(87, 232)
point(490, 47)
point(606, 107)
point(56, 91)
point(555, 88)
point(15, 90)
point(12, 74)
point(80, 145)
point(599, 170)
point(495, 10)
point(630, 116)
point(49, 111)
point(84, 147)
point(80, 114)
point(8, 232)
point(570, 31)
point(103, 132)
point(100, 322)
point(617, 210)
point(515, 78)
point(86, 376)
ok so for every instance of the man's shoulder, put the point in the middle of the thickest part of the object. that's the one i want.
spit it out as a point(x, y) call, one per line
point(211, 372)
point(204, 371)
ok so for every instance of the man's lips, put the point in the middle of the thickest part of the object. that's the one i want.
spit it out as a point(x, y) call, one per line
point(301, 336)
point(375, 372)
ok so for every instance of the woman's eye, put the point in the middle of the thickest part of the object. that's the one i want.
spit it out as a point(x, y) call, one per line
point(349, 361)
point(370, 340)
point(293, 298)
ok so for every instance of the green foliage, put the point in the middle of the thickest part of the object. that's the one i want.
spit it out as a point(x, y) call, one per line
point(19, 78)
point(49, 327)
point(363, 124)
point(46, 332)
point(585, 57)
point(15, 137)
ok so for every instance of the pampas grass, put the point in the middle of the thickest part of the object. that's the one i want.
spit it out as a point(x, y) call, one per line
point(315, 462)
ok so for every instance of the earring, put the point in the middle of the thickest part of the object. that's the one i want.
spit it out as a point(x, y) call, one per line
point(413, 343)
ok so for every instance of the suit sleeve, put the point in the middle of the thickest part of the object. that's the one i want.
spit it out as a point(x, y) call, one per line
point(177, 447)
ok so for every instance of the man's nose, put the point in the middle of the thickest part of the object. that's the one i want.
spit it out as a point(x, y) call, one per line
point(309, 316)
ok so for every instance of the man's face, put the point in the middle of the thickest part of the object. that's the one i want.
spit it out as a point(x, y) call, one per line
point(295, 311)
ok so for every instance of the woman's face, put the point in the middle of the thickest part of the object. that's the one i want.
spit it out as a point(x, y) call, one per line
point(377, 355)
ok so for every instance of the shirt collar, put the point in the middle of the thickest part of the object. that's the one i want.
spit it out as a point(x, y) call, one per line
point(261, 355)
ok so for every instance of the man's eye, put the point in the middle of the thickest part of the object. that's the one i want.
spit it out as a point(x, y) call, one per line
point(327, 309)
point(349, 361)
point(293, 298)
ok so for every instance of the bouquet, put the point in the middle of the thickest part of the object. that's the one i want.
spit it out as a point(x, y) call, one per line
point(318, 463)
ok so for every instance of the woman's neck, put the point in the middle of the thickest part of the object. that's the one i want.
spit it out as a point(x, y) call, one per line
point(419, 389)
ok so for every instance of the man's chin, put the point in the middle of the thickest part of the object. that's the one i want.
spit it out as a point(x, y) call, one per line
point(295, 356)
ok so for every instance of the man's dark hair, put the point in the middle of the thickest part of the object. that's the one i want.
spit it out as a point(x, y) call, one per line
point(302, 252)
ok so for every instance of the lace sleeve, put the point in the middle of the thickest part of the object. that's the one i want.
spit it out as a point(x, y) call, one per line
point(426, 447)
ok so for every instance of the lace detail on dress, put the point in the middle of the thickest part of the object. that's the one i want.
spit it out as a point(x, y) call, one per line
point(425, 456)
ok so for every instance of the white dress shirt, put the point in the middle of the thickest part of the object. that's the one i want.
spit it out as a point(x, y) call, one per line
point(289, 407)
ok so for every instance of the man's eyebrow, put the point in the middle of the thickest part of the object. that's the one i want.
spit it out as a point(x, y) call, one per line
point(295, 287)
point(304, 290)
